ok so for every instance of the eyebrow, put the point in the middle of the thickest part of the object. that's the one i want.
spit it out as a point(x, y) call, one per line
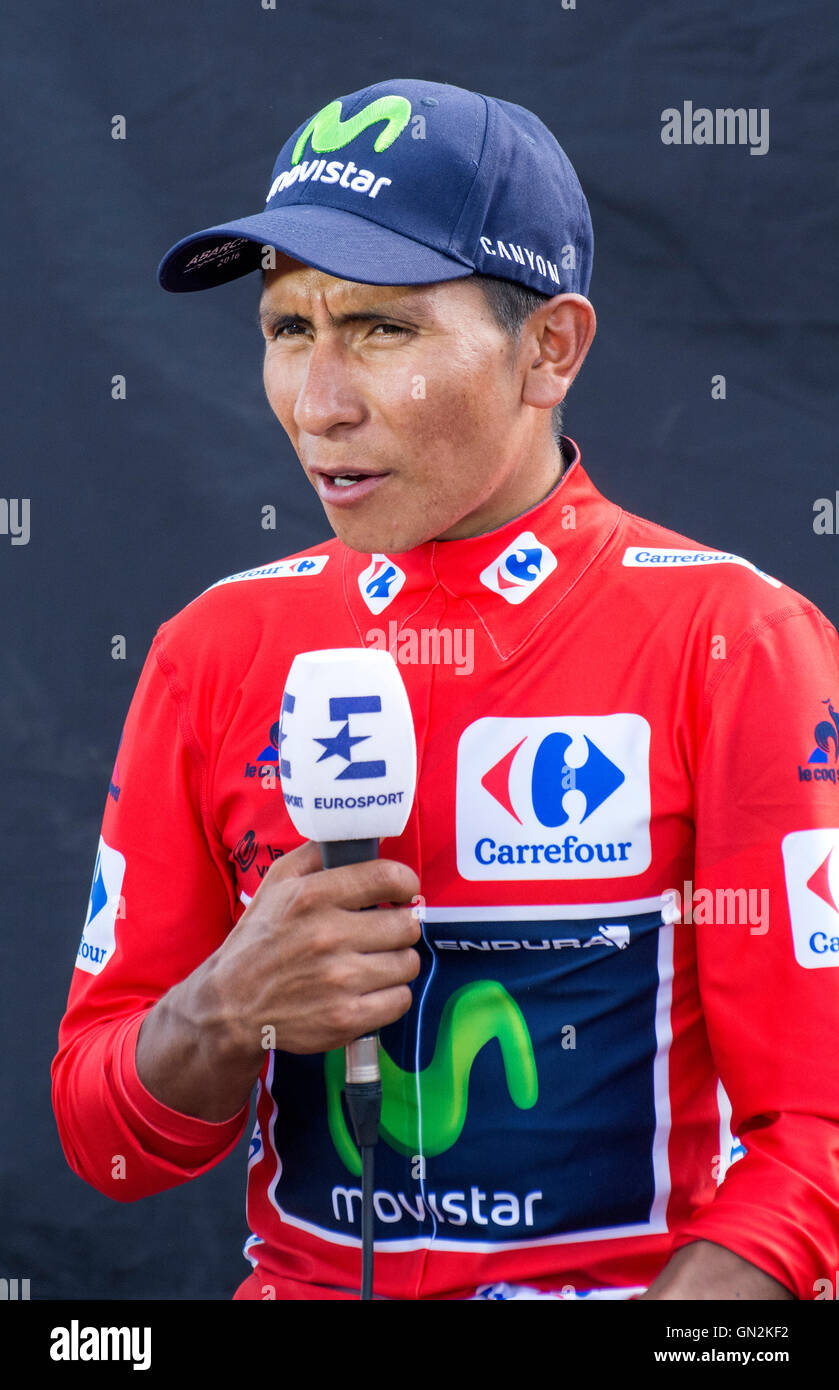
point(413, 310)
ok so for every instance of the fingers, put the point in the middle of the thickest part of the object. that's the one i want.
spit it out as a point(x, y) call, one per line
point(307, 958)
point(304, 859)
point(386, 970)
point(372, 1012)
point(352, 886)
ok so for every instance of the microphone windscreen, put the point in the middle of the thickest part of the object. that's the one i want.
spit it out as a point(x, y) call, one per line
point(347, 754)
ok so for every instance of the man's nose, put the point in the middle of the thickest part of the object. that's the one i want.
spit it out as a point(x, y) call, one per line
point(328, 394)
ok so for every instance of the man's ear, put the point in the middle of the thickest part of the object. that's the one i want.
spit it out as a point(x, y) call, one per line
point(554, 344)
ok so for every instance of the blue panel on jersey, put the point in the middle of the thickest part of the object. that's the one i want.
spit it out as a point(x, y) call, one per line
point(536, 1110)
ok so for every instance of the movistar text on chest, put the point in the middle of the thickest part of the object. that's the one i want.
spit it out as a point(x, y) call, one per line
point(447, 1208)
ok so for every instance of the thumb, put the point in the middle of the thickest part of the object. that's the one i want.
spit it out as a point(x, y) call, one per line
point(297, 863)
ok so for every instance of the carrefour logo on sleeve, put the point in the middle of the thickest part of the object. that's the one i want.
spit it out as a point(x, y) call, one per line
point(280, 569)
point(103, 908)
point(811, 869)
point(521, 568)
point(639, 557)
point(554, 797)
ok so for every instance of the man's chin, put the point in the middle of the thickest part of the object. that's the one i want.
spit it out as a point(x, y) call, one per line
point(369, 539)
point(377, 545)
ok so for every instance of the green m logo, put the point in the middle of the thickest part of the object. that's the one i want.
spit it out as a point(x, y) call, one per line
point(472, 1017)
point(329, 132)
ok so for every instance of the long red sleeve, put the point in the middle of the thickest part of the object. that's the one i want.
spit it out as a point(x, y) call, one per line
point(151, 920)
point(766, 816)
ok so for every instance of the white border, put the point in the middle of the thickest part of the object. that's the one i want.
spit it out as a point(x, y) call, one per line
point(661, 1095)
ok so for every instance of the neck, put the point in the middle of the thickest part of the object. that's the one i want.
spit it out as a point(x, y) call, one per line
point(542, 482)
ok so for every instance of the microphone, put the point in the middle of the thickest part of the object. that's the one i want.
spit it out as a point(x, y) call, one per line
point(338, 792)
point(348, 770)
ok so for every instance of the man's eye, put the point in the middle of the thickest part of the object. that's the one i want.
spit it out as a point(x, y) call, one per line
point(294, 328)
point(288, 330)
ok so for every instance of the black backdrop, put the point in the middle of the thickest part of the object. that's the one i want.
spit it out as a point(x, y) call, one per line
point(708, 260)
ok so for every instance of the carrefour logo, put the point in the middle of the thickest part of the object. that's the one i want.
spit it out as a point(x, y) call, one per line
point(811, 870)
point(637, 557)
point(280, 569)
point(521, 568)
point(563, 797)
point(104, 907)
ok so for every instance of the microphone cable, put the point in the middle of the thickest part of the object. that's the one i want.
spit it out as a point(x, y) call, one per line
point(362, 1075)
point(363, 1089)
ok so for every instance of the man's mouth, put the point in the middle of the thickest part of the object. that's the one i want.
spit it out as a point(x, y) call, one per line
point(343, 488)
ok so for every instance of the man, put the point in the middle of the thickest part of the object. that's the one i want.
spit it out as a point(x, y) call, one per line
point(624, 848)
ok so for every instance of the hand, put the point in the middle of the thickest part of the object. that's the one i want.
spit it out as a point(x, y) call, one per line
point(704, 1270)
point(307, 961)
point(303, 962)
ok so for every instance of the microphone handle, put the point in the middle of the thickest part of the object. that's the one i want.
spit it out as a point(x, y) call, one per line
point(336, 853)
point(361, 1056)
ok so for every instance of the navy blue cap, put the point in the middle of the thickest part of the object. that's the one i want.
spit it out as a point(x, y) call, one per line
point(409, 183)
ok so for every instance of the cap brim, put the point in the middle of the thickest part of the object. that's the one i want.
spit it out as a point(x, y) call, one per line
point(329, 239)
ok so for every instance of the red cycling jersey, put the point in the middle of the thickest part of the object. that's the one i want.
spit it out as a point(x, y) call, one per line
point(626, 831)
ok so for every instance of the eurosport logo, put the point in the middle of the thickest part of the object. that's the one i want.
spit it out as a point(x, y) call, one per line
point(521, 568)
point(103, 908)
point(811, 869)
point(561, 797)
point(380, 582)
point(342, 709)
point(327, 132)
point(640, 557)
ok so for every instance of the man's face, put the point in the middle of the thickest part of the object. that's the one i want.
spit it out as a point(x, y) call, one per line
point(414, 388)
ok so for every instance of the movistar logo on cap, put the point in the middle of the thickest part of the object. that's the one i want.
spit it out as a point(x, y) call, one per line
point(328, 132)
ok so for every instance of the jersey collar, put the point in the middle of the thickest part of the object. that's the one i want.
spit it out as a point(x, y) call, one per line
point(509, 579)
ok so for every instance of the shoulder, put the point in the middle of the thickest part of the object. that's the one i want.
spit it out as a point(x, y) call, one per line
point(271, 602)
point(694, 580)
